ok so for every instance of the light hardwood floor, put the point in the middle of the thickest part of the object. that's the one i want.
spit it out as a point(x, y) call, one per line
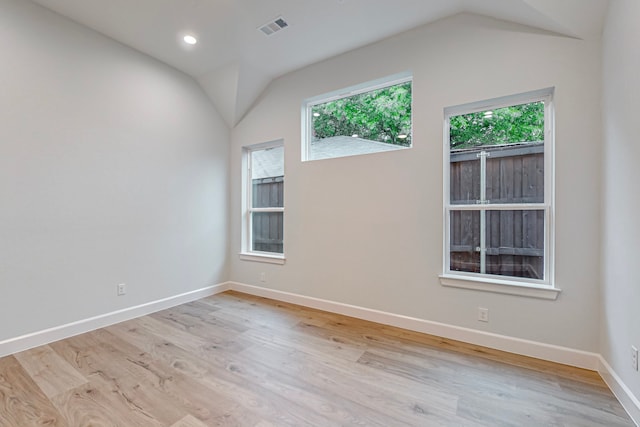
point(238, 360)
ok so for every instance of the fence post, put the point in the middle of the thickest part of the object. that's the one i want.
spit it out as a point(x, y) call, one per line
point(483, 213)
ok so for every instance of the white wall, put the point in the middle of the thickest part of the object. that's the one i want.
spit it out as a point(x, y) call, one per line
point(367, 230)
point(113, 168)
point(621, 202)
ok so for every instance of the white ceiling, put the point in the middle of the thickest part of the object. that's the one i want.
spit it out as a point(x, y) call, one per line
point(234, 62)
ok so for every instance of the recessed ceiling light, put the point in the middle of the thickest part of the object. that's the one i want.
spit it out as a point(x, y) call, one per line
point(189, 39)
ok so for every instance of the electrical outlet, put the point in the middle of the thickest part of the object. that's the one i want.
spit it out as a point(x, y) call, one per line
point(263, 277)
point(122, 289)
point(634, 357)
point(483, 314)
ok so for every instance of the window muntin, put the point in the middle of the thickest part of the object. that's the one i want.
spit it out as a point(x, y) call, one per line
point(498, 198)
point(369, 118)
point(264, 220)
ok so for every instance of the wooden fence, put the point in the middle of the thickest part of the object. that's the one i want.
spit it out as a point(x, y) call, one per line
point(268, 226)
point(514, 238)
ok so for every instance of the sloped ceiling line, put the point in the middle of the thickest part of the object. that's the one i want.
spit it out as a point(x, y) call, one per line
point(234, 62)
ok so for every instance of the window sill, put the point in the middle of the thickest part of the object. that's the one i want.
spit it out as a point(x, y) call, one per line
point(262, 257)
point(500, 286)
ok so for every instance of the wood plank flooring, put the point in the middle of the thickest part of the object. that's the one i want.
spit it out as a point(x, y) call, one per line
point(238, 360)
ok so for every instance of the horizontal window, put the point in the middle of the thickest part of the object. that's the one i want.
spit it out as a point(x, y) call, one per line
point(369, 118)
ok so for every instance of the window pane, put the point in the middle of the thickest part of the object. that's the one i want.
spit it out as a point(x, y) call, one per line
point(369, 122)
point(465, 179)
point(464, 241)
point(267, 232)
point(268, 192)
point(497, 156)
point(516, 124)
point(267, 176)
point(513, 242)
point(516, 175)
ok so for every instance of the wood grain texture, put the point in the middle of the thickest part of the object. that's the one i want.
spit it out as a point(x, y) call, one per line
point(22, 403)
point(50, 371)
point(239, 360)
point(189, 421)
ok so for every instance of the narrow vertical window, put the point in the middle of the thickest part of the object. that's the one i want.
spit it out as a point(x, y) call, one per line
point(498, 195)
point(264, 213)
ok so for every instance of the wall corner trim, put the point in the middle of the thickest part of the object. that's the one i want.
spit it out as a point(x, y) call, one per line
point(46, 336)
point(627, 399)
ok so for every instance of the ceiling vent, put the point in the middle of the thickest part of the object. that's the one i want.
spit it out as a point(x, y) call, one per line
point(274, 26)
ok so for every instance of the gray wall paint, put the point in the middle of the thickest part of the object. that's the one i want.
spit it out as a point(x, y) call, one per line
point(113, 168)
point(621, 204)
point(343, 215)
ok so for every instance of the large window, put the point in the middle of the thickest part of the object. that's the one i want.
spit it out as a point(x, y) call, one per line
point(264, 201)
point(499, 190)
point(369, 118)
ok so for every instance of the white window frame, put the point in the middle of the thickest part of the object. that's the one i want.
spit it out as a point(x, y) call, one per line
point(246, 252)
point(309, 103)
point(545, 288)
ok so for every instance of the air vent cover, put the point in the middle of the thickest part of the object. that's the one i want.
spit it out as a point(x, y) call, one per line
point(274, 26)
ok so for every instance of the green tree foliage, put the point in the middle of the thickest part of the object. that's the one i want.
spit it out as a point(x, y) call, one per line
point(382, 115)
point(508, 125)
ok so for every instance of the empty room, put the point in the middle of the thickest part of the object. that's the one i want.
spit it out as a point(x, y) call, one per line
point(319, 213)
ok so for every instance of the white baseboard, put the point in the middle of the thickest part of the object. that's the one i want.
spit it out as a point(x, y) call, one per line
point(25, 342)
point(564, 355)
point(553, 353)
point(630, 403)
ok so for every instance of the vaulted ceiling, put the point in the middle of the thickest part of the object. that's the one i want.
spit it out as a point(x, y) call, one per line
point(234, 61)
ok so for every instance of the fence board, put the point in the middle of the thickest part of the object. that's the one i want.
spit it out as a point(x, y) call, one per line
point(268, 227)
point(514, 239)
